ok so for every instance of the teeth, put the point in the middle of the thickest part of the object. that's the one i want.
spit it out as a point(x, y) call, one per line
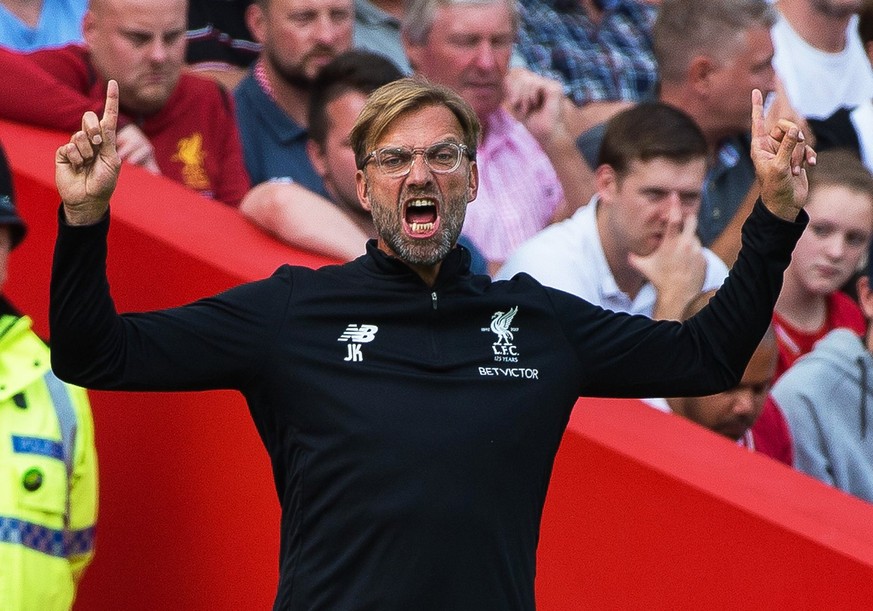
point(419, 203)
point(421, 227)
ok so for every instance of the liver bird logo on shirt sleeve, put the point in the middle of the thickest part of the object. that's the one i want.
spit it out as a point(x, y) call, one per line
point(500, 324)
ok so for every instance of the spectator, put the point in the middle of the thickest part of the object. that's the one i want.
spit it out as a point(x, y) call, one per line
point(851, 127)
point(28, 25)
point(711, 54)
point(338, 95)
point(298, 37)
point(172, 123)
point(377, 28)
point(819, 55)
point(633, 247)
point(744, 413)
point(48, 507)
point(220, 45)
point(530, 173)
point(340, 226)
point(412, 411)
point(826, 397)
point(840, 208)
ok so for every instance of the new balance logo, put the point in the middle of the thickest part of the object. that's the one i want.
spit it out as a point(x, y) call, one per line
point(357, 335)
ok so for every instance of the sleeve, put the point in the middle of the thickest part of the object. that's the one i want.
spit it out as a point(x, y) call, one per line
point(624, 355)
point(83, 486)
point(233, 181)
point(810, 448)
point(214, 343)
point(60, 76)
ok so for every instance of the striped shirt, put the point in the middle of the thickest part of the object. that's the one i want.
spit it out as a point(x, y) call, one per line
point(607, 60)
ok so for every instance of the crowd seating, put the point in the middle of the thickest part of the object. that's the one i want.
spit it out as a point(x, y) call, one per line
point(645, 510)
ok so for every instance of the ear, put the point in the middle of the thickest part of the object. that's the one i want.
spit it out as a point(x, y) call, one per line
point(865, 296)
point(317, 157)
point(473, 182)
point(89, 29)
point(256, 21)
point(606, 182)
point(700, 72)
point(363, 190)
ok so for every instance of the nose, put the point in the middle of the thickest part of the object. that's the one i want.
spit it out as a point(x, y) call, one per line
point(485, 56)
point(672, 207)
point(836, 247)
point(158, 50)
point(325, 30)
point(419, 172)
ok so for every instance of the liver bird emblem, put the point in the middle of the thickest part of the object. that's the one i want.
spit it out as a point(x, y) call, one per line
point(500, 324)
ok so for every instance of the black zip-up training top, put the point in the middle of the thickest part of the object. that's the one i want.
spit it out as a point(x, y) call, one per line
point(411, 429)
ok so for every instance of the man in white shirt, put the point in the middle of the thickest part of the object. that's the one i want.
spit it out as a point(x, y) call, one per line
point(819, 55)
point(633, 248)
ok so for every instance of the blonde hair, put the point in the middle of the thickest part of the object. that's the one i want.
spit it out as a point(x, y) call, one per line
point(389, 102)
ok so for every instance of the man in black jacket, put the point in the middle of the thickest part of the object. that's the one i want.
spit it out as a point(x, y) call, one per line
point(411, 410)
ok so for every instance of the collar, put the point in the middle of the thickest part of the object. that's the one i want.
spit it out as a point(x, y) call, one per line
point(610, 295)
point(455, 265)
point(260, 74)
point(272, 118)
point(606, 285)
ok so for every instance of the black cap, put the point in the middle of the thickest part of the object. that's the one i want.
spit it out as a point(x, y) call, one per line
point(8, 214)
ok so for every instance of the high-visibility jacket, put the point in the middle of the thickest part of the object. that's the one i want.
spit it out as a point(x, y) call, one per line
point(48, 475)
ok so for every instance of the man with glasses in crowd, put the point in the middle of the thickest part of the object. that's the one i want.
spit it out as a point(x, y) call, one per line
point(411, 410)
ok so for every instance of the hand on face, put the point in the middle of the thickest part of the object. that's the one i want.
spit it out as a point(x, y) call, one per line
point(676, 268)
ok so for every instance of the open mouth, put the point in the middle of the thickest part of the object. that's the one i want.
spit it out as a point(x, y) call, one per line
point(421, 218)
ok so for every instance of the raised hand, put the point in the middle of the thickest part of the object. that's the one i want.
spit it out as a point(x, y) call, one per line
point(780, 155)
point(537, 102)
point(87, 167)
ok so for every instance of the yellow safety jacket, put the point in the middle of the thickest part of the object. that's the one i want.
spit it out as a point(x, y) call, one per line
point(48, 476)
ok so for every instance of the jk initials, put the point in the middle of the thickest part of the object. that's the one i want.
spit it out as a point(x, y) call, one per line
point(355, 353)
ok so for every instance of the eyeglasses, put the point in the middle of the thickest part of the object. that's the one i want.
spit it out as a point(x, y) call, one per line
point(396, 161)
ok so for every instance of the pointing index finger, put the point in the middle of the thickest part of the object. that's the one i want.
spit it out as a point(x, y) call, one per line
point(109, 122)
point(757, 113)
point(689, 227)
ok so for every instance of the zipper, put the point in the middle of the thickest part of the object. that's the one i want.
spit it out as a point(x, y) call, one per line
point(434, 346)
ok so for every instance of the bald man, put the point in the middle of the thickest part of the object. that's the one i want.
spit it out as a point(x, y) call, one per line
point(171, 123)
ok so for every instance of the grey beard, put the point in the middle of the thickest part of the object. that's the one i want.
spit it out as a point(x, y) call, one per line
point(425, 253)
